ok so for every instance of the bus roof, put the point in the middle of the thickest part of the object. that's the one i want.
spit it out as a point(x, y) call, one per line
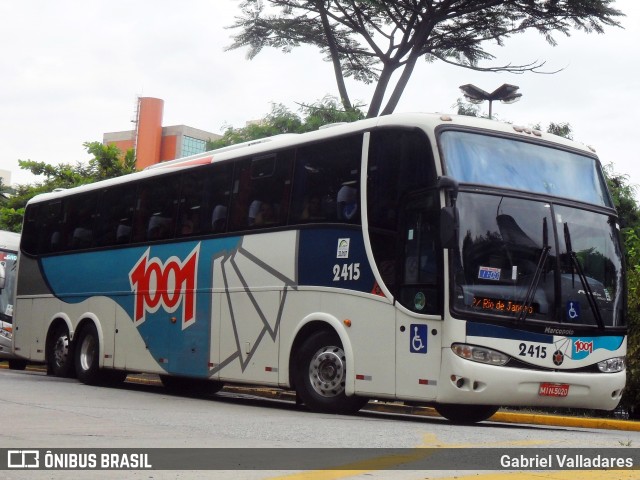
point(426, 121)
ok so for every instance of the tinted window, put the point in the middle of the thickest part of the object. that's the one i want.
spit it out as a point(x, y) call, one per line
point(115, 215)
point(204, 200)
point(327, 182)
point(156, 209)
point(400, 161)
point(78, 224)
point(261, 191)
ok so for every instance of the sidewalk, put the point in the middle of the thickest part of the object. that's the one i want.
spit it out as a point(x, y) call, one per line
point(399, 408)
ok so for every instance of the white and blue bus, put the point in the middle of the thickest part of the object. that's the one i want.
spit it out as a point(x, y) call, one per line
point(9, 244)
point(432, 259)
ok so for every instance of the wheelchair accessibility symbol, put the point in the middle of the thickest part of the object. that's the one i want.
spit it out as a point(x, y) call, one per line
point(573, 310)
point(418, 340)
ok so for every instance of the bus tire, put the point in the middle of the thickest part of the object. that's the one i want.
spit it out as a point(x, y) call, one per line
point(17, 364)
point(190, 386)
point(87, 355)
point(465, 414)
point(320, 375)
point(59, 353)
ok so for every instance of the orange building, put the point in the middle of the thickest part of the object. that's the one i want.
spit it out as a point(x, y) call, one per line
point(154, 143)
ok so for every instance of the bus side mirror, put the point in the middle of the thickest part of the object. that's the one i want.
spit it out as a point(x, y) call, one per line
point(449, 227)
point(449, 224)
point(2, 277)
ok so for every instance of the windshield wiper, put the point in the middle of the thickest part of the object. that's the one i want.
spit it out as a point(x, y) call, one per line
point(591, 299)
point(533, 286)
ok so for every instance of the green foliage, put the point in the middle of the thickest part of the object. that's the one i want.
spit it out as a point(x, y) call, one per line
point(281, 120)
point(105, 163)
point(561, 129)
point(377, 41)
point(623, 195)
point(468, 109)
point(631, 398)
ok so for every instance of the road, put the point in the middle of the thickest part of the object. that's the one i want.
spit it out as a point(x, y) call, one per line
point(52, 413)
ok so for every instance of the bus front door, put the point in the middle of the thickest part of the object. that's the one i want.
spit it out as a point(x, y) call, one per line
point(419, 300)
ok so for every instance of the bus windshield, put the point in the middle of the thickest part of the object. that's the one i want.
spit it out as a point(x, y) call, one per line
point(502, 162)
point(527, 260)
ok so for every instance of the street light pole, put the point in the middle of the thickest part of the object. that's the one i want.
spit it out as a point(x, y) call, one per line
point(505, 93)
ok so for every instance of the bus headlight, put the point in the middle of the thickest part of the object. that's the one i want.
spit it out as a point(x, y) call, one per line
point(479, 354)
point(612, 365)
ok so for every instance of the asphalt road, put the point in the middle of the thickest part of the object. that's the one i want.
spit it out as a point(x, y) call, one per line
point(44, 412)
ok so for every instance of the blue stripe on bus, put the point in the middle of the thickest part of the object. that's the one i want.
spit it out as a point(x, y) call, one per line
point(475, 329)
point(321, 264)
point(107, 274)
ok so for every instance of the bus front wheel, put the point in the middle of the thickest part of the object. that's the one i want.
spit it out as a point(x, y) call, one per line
point(59, 359)
point(320, 375)
point(466, 414)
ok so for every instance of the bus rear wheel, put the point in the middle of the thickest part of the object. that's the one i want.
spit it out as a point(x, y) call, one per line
point(465, 414)
point(320, 375)
point(87, 360)
point(59, 358)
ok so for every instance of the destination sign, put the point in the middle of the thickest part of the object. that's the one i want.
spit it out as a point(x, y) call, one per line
point(502, 305)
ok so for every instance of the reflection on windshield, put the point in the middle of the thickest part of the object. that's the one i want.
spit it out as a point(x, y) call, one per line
point(508, 263)
point(486, 160)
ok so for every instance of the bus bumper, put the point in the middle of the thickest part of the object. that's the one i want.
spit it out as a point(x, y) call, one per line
point(466, 382)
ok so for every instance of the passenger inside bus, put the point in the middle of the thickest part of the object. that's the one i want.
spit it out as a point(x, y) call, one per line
point(219, 219)
point(347, 200)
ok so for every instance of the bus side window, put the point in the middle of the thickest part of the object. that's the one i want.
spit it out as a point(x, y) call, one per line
point(400, 162)
point(79, 220)
point(326, 182)
point(156, 209)
point(51, 227)
point(115, 216)
point(221, 181)
point(261, 193)
point(33, 230)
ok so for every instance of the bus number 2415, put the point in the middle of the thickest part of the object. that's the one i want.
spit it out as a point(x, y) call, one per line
point(534, 351)
point(347, 271)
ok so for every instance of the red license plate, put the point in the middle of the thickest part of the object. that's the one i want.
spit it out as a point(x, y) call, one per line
point(553, 390)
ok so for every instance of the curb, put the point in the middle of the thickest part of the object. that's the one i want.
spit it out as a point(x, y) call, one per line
point(397, 408)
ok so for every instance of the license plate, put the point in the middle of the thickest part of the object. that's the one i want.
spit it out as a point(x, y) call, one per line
point(553, 390)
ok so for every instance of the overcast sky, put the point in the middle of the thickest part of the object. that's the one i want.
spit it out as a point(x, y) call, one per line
point(71, 70)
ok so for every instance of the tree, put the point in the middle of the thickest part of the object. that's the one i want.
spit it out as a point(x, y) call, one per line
point(377, 40)
point(281, 120)
point(624, 199)
point(106, 163)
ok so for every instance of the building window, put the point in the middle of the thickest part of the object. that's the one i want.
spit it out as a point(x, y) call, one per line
point(191, 146)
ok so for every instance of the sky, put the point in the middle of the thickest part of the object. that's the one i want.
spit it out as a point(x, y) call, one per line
point(71, 70)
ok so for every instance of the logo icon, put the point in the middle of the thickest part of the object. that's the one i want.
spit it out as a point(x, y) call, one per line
point(558, 358)
point(167, 285)
point(23, 459)
point(343, 248)
point(582, 346)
